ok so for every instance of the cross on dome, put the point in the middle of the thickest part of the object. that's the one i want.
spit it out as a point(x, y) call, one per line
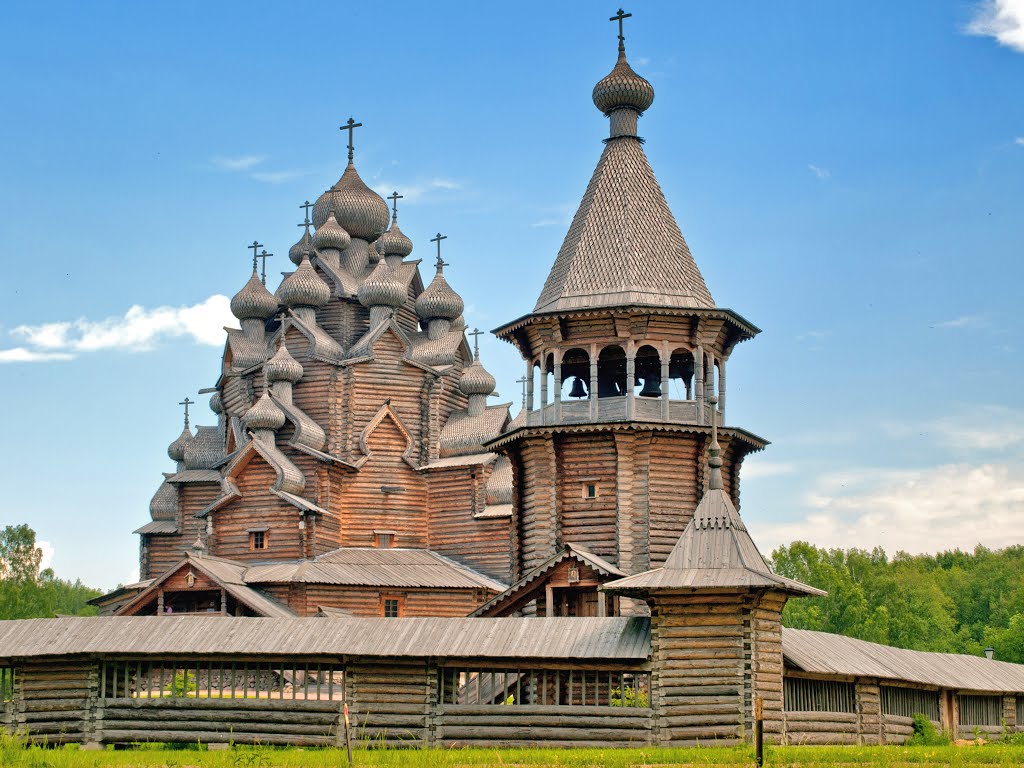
point(350, 126)
point(307, 205)
point(440, 263)
point(619, 17)
point(255, 247)
point(394, 197)
point(263, 274)
point(186, 402)
point(476, 333)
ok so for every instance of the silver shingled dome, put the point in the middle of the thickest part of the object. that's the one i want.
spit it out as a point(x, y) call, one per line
point(304, 244)
point(393, 242)
point(622, 87)
point(360, 211)
point(176, 450)
point(476, 380)
point(439, 300)
point(304, 287)
point(282, 366)
point(330, 235)
point(382, 288)
point(264, 414)
point(254, 301)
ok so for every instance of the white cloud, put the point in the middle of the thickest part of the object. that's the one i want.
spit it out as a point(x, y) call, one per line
point(1019, 141)
point(820, 173)
point(22, 355)
point(965, 321)
point(47, 560)
point(138, 330)
point(955, 505)
point(418, 190)
point(237, 163)
point(968, 429)
point(1002, 20)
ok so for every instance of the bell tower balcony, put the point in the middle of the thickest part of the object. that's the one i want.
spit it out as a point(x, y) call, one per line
point(626, 365)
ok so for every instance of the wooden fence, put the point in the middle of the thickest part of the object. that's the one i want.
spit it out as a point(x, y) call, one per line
point(422, 702)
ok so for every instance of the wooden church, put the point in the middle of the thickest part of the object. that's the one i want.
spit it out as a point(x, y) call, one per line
point(357, 468)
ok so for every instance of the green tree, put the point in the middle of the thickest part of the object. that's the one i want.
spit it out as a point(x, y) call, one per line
point(20, 558)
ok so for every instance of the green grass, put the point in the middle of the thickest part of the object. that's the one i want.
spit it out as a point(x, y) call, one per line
point(13, 754)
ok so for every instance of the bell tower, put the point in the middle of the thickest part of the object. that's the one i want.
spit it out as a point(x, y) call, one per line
point(626, 356)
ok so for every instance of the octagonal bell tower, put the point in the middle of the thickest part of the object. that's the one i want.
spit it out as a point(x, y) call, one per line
point(625, 355)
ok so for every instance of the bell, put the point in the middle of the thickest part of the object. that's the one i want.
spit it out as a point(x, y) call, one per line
point(652, 387)
point(578, 390)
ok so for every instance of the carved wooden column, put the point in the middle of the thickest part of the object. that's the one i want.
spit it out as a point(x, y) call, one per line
point(593, 382)
point(721, 391)
point(558, 386)
point(630, 378)
point(709, 380)
point(666, 354)
point(543, 388)
point(698, 381)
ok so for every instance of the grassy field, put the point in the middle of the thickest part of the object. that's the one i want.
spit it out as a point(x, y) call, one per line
point(15, 755)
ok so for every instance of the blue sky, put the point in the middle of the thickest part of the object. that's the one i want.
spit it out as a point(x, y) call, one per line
point(849, 177)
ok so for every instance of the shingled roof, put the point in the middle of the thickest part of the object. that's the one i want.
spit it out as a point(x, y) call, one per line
point(624, 246)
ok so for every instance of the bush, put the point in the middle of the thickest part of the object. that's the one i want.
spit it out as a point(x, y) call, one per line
point(925, 732)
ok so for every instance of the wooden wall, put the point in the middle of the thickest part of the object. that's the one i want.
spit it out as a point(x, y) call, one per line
point(454, 495)
point(590, 523)
point(258, 508)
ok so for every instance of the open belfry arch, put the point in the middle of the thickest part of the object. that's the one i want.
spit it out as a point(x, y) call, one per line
point(363, 527)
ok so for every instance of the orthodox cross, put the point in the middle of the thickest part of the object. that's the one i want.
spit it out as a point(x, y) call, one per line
point(619, 17)
point(186, 402)
point(264, 255)
point(476, 333)
point(523, 380)
point(255, 246)
point(440, 263)
point(307, 205)
point(394, 197)
point(350, 126)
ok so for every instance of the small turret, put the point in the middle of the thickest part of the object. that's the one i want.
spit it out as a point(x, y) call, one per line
point(439, 304)
point(476, 383)
point(304, 290)
point(382, 293)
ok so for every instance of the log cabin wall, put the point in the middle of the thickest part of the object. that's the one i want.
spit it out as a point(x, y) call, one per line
point(385, 494)
point(55, 701)
point(369, 601)
point(162, 552)
point(258, 508)
point(674, 489)
point(763, 675)
point(582, 460)
point(697, 656)
point(479, 543)
point(535, 502)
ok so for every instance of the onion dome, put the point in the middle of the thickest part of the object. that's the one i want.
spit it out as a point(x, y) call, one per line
point(393, 242)
point(264, 415)
point(164, 505)
point(359, 210)
point(176, 450)
point(476, 380)
point(282, 366)
point(330, 235)
point(304, 244)
point(304, 287)
point(382, 288)
point(216, 404)
point(254, 301)
point(439, 300)
point(622, 87)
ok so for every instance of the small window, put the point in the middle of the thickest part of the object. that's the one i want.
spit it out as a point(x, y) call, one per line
point(392, 608)
point(590, 490)
point(258, 540)
point(383, 539)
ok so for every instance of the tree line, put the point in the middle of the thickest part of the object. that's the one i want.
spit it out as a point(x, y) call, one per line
point(954, 602)
point(26, 592)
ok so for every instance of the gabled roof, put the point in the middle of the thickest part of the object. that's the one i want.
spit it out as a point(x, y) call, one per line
point(226, 573)
point(623, 246)
point(536, 577)
point(373, 567)
point(714, 552)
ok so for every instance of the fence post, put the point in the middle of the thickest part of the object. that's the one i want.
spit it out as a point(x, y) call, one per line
point(759, 731)
point(93, 714)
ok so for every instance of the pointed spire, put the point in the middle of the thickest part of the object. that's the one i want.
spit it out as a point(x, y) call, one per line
point(715, 450)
